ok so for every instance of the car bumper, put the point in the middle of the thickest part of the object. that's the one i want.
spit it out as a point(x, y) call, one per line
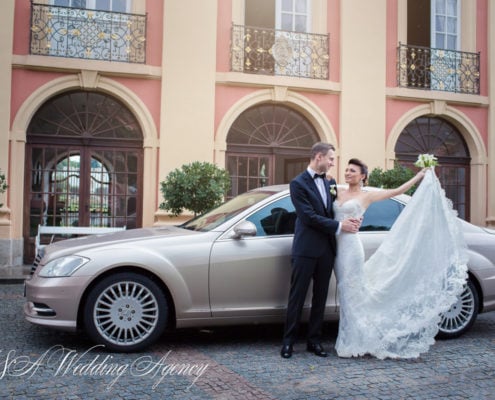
point(53, 302)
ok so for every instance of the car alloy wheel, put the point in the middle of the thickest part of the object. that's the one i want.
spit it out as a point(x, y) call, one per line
point(125, 312)
point(461, 316)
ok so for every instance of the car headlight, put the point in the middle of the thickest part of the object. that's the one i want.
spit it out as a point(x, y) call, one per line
point(64, 266)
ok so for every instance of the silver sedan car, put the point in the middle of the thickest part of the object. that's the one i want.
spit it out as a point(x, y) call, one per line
point(228, 266)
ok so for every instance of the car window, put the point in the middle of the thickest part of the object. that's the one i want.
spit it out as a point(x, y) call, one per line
point(277, 218)
point(380, 216)
point(226, 211)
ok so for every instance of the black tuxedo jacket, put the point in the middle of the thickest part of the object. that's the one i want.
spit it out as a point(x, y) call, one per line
point(315, 227)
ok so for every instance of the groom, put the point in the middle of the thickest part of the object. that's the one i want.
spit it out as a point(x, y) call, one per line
point(314, 247)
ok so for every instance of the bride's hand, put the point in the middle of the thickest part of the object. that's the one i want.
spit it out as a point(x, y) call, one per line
point(351, 225)
point(422, 173)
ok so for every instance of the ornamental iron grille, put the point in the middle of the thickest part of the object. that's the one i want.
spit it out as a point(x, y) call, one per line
point(427, 68)
point(88, 34)
point(439, 137)
point(277, 52)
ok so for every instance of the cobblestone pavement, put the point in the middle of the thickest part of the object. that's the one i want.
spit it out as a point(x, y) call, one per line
point(231, 363)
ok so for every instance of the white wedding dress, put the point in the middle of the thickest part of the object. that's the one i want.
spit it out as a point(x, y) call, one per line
point(390, 304)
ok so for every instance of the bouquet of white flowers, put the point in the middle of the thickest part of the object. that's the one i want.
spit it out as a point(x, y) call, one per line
point(426, 160)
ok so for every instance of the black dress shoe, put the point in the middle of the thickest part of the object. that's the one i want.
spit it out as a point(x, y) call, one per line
point(286, 351)
point(317, 349)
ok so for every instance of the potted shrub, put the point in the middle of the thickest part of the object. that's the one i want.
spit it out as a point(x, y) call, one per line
point(196, 187)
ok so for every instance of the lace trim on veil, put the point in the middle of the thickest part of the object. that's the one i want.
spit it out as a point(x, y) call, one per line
point(415, 275)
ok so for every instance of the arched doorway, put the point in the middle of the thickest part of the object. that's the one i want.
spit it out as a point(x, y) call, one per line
point(84, 161)
point(437, 136)
point(267, 144)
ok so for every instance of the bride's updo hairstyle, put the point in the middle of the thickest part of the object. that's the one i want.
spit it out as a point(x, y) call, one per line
point(362, 166)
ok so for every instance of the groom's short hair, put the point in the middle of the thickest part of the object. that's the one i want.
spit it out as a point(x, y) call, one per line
point(321, 147)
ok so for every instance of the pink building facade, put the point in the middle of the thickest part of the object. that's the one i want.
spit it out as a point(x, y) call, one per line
point(104, 98)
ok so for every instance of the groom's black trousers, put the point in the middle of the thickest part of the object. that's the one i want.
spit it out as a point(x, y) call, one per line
point(305, 269)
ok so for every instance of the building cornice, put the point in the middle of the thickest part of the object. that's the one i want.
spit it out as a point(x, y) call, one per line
point(61, 64)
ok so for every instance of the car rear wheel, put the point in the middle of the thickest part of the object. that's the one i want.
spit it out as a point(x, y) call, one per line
point(125, 312)
point(461, 316)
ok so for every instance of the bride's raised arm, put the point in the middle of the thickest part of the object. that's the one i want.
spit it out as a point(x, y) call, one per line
point(372, 196)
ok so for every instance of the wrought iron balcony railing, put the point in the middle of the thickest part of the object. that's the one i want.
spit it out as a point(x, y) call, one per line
point(438, 69)
point(89, 34)
point(276, 52)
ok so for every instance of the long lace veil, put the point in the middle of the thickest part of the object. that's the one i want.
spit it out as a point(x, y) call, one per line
point(418, 271)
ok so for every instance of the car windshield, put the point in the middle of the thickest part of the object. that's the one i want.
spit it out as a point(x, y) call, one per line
point(226, 211)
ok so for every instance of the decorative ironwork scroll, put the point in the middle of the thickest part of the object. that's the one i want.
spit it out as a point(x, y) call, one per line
point(276, 52)
point(438, 69)
point(88, 34)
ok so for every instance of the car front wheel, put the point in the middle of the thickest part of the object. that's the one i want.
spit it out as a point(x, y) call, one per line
point(461, 316)
point(126, 312)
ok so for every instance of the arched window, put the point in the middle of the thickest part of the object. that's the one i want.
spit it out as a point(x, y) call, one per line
point(439, 137)
point(84, 159)
point(268, 144)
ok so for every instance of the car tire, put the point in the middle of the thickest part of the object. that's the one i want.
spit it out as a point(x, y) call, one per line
point(126, 312)
point(461, 316)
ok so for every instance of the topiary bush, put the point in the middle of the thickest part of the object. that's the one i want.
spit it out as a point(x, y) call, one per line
point(197, 187)
point(391, 178)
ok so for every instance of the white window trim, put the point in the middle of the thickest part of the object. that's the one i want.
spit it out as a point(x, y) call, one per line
point(91, 4)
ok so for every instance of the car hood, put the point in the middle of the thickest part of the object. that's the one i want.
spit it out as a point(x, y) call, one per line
point(73, 246)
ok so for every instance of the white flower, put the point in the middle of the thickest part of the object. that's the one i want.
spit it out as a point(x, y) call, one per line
point(426, 160)
point(333, 190)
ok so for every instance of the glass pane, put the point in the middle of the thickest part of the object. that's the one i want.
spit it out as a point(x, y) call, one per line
point(440, 40)
point(242, 186)
point(381, 215)
point(452, 7)
point(63, 205)
point(119, 6)
point(253, 167)
point(252, 183)
point(63, 3)
point(287, 5)
point(103, 5)
point(461, 194)
point(440, 23)
point(300, 23)
point(276, 219)
point(451, 42)
point(287, 22)
point(440, 6)
point(452, 25)
point(264, 172)
point(301, 6)
point(132, 163)
point(242, 166)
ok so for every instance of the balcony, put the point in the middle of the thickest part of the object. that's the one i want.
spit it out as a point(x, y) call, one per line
point(276, 52)
point(87, 34)
point(438, 69)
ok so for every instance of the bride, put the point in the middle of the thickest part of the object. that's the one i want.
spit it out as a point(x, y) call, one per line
point(390, 305)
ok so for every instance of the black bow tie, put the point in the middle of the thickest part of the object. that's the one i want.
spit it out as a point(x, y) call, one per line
point(322, 176)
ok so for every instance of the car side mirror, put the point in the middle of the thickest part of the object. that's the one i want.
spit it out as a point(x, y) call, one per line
point(244, 228)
